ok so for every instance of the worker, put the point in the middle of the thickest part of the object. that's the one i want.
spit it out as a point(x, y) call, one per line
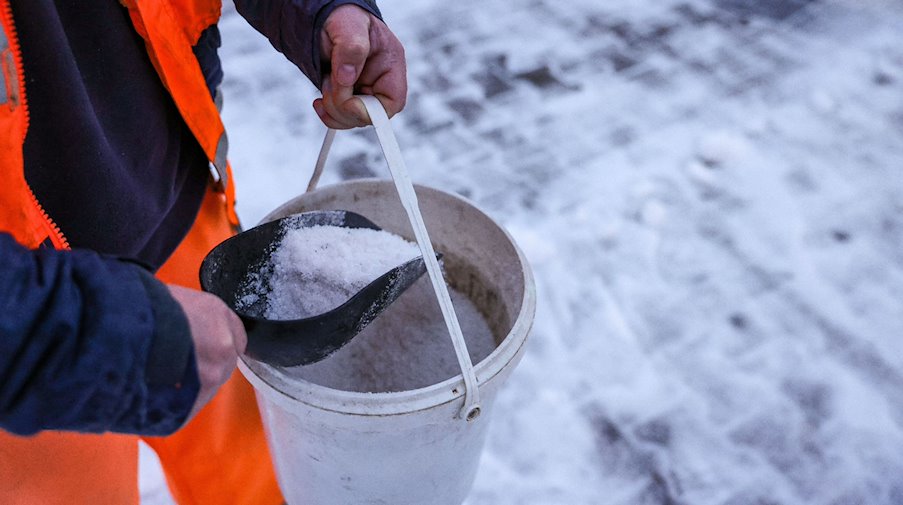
point(114, 184)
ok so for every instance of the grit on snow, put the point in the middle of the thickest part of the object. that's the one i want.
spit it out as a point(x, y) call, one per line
point(710, 193)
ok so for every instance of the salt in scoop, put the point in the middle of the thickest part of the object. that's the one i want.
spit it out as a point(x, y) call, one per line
point(293, 342)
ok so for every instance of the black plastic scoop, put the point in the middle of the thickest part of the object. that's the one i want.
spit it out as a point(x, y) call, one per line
point(294, 342)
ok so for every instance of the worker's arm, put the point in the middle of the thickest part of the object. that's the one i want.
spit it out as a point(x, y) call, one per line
point(342, 46)
point(91, 344)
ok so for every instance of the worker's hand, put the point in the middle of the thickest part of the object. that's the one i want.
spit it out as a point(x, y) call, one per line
point(364, 57)
point(219, 338)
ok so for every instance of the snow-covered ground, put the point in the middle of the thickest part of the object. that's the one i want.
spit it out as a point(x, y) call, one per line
point(711, 196)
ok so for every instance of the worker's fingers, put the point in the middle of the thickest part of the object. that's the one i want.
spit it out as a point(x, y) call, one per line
point(341, 106)
point(346, 45)
point(239, 336)
point(218, 336)
point(350, 37)
point(342, 115)
point(325, 117)
point(385, 76)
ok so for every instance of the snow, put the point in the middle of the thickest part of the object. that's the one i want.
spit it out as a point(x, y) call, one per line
point(710, 194)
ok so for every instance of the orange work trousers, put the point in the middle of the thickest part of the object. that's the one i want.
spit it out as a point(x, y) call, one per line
point(220, 457)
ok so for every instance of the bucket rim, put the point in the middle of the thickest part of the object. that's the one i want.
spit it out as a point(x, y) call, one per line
point(381, 404)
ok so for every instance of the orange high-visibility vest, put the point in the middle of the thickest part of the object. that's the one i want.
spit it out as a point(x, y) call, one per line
point(170, 28)
point(69, 468)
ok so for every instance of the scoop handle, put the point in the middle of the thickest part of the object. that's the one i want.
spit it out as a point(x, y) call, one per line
point(405, 188)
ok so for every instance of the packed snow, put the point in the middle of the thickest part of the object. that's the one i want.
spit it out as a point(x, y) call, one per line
point(710, 193)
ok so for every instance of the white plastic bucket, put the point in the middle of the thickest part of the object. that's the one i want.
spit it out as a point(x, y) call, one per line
point(333, 447)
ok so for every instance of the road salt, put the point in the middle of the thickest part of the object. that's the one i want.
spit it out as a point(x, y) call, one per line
point(316, 269)
point(406, 347)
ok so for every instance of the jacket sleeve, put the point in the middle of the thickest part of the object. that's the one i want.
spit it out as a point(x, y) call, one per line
point(89, 343)
point(293, 27)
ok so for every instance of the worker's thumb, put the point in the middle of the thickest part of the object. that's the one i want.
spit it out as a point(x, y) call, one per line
point(348, 57)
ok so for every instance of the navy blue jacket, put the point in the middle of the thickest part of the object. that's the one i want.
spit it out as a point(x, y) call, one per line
point(89, 340)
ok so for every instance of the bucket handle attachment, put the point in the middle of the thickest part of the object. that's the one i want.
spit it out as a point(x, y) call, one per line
point(405, 188)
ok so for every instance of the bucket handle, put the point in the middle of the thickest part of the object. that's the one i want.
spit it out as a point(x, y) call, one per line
point(405, 188)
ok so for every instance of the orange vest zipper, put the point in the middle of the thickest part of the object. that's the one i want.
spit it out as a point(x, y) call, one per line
point(45, 227)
